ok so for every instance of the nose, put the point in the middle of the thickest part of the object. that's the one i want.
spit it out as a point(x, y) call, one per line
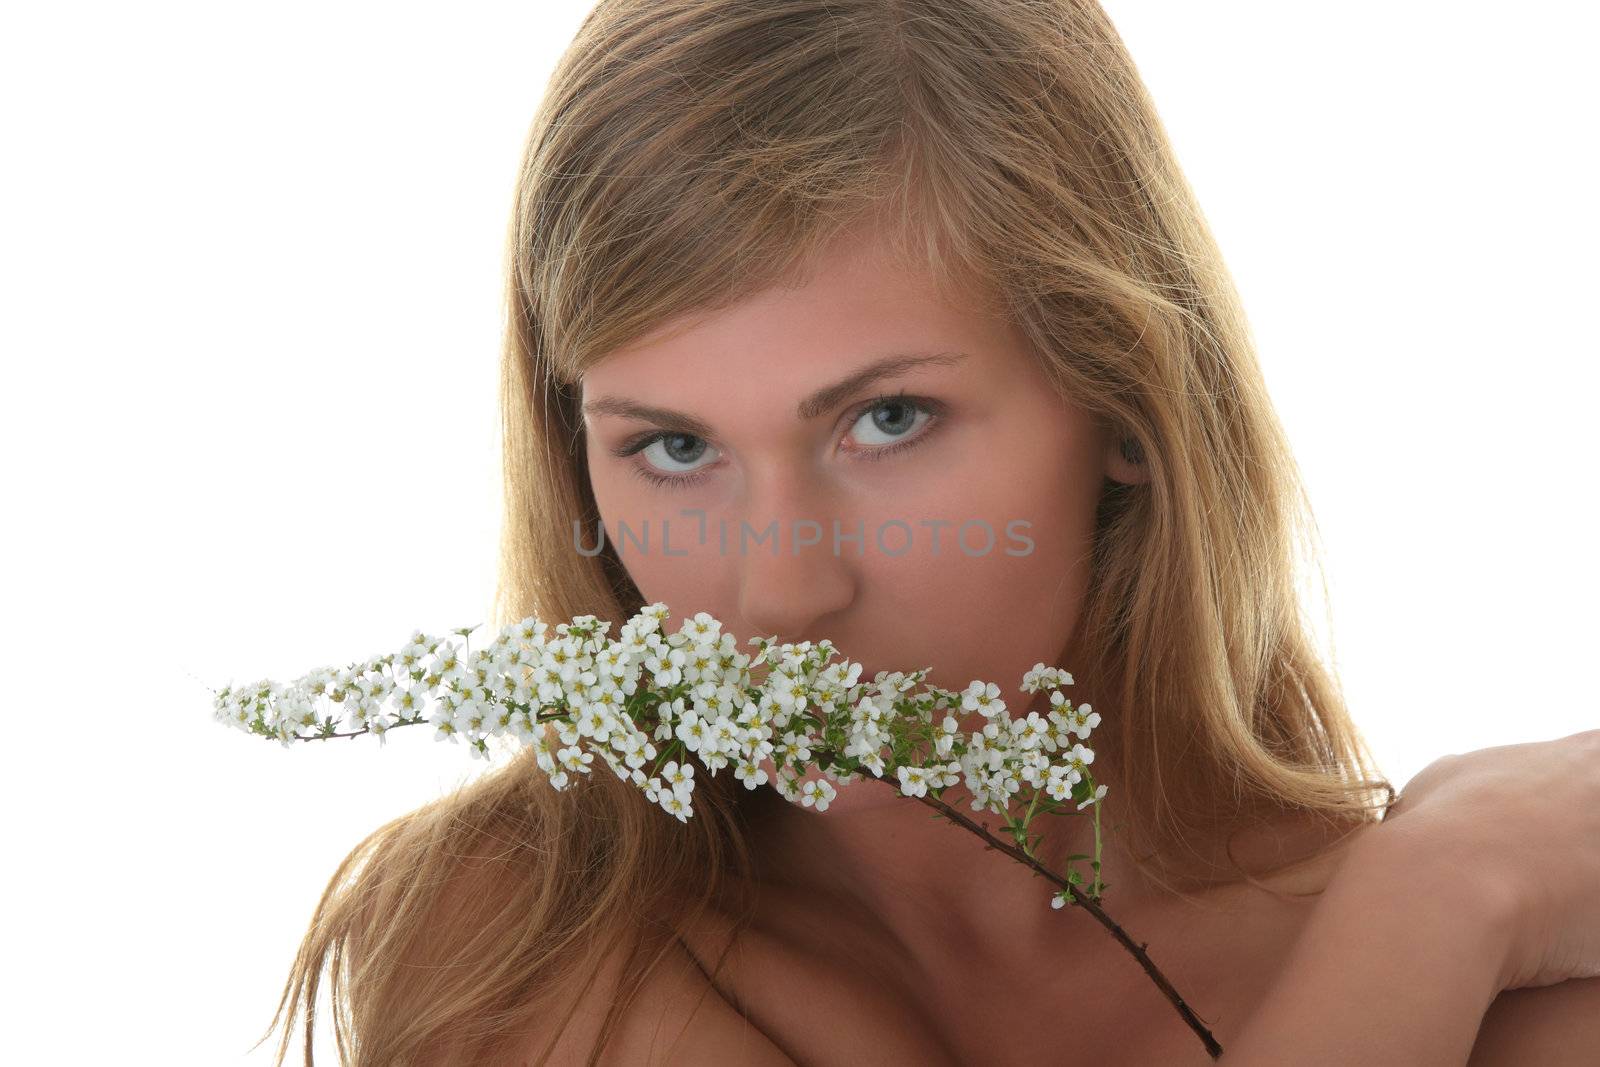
point(792, 581)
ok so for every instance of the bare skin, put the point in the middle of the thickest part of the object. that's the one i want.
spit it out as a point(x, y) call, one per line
point(813, 954)
point(873, 912)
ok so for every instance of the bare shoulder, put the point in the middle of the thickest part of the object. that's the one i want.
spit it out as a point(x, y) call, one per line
point(677, 1017)
point(1556, 1026)
point(1553, 1026)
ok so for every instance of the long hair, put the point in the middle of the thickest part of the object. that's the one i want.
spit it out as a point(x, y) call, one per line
point(689, 153)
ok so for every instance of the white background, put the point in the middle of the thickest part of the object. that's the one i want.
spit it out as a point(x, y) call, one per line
point(251, 261)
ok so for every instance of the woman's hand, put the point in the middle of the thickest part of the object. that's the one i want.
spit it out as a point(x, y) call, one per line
point(1522, 821)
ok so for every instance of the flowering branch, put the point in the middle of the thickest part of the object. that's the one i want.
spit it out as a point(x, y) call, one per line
point(693, 692)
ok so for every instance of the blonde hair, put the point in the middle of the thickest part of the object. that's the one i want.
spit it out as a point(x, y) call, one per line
point(691, 152)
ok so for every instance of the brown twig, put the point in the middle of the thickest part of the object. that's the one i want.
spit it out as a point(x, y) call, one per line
point(1087, 902)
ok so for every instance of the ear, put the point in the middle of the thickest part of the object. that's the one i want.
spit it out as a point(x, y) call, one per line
point(1125, 459)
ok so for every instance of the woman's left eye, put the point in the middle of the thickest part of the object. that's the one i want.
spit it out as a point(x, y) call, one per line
point(890, 423)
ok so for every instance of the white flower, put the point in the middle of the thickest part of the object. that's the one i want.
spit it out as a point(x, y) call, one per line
point(787, 785)
point(726, 734)
point(1042, 677)
point(983, 697)
point(676, 804)
point(1080, 758)
point(1084, 719)
point(750, 773)
point(444, 721)
point(692, 732)
point(702, 666)
point(1060, 782)
point(597, 722)
point(638, 749)
point(1099, 791)
point(1028, 733)
point(756, 743)
point(818, 792)
point(679, 776)
point(666, 666)
point(702, 629)
point(913, 781)
point(795, 747)
point(1030, 680)
point(1032, 767)
point(530, 630)
point(574, 758)
point(842, 674)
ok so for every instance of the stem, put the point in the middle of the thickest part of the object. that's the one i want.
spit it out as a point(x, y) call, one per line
point(1027, 818)
point(1084, 901)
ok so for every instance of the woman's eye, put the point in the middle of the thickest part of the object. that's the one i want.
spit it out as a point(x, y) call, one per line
point(676, 454)
point(890, 421)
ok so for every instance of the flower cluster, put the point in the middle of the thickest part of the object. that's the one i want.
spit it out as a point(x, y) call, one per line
point(646, 701)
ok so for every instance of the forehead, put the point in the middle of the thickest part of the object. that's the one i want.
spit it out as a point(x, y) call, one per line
point(856, 304)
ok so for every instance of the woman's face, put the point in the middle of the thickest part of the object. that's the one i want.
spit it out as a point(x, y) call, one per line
point(964, 506)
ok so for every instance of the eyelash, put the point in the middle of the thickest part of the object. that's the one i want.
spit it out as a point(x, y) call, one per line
point(679, 481)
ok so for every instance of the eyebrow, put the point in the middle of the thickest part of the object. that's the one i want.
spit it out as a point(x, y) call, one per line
point(818, 403)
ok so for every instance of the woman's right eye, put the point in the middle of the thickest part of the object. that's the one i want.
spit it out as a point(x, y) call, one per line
point(670, 458)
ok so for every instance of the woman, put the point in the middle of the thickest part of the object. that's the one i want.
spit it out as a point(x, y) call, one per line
point(849, 276)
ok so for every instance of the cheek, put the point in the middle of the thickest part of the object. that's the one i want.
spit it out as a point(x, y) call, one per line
point(686, 584)
point(624, 500)
point(1007, 592)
